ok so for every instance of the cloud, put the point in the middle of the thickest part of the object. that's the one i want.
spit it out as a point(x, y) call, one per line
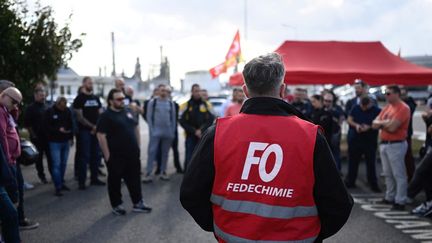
point(196, 34)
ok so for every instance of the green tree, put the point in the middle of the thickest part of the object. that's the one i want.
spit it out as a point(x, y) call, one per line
point(32, 45)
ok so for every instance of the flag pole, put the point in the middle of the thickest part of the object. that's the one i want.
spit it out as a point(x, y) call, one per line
point(245, 27)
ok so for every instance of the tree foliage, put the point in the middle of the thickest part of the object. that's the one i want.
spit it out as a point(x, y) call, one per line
point(32, 45)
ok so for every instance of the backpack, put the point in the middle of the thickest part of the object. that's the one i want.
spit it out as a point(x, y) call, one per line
point(154, 108)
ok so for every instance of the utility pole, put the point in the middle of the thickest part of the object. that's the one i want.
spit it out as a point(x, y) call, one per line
point(161, 54)
point(113, 54)
point(245, 20)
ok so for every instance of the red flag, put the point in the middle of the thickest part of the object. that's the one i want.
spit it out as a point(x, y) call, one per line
point(234, 50)
point(218, 70)
point(231, 58)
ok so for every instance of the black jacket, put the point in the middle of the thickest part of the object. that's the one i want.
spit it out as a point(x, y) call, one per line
point(332, 200)
point(53, 120)
point(34, 119)
point(324, 119)
point(196, 115)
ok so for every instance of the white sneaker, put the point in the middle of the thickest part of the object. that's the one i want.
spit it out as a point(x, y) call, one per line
point(119, 210)
point(148, 178)
point(28, 186)
point(164, 176)
point(422, 208)
point(141, 207)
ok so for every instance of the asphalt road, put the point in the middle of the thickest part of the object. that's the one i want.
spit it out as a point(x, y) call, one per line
point(85, 216)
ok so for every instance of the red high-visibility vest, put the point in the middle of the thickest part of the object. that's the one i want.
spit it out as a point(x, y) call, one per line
point(264, 178)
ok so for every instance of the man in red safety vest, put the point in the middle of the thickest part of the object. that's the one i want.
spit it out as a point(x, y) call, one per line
point(266, 174)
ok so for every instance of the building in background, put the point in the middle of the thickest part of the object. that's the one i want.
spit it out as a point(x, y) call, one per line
point(203, 78)
point(68, 83)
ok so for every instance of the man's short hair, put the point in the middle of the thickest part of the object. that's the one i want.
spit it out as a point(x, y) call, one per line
point(395, 89)
point(111, 94)
point(194, 86)
point(85, 79)
point(298, 90)
point(360, 82)
point(365, 100)
point(237, 90)
point(38, 87)
point(4, 84)
point(61, 99)
point(264, 74)
point(318, 97)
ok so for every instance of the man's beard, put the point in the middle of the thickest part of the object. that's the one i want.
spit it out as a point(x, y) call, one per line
point(89, 89)
point(119, 107)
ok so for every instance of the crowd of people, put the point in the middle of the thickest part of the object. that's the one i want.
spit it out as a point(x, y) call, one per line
point(111, 134)
point(370, 128)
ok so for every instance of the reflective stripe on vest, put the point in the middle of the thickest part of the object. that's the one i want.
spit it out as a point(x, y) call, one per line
point(263, 210)
point(235, 239)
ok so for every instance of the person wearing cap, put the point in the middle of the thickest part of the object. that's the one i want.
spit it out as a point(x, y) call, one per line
point(393, 121)
point(249, 180)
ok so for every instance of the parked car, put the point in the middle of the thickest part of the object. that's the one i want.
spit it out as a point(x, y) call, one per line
point(378, 92)
point(218, 105)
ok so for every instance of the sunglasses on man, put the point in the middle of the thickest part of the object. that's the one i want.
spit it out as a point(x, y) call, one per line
point(13, 100)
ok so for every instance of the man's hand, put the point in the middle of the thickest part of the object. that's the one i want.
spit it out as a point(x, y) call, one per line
point(103, 143)
point(379, 124)
point(62, 130)
point(93, 130)
point(133, 106)
point(107, 156)
point(365, 127)
point(425, 115)
point(198, 133)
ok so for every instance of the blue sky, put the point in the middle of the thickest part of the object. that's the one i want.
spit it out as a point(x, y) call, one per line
point(196, 34)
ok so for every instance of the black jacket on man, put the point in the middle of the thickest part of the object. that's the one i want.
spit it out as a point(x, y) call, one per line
point(332, 200)
point(196, 115)
point(56, 118)
point(34, 118)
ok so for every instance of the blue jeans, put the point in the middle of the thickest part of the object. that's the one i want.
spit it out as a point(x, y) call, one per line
point(8, 218)
point(59, 157)
point(190, 144)
point(89, 155)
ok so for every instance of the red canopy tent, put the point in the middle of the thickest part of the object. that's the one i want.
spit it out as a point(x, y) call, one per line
point(336, 62)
